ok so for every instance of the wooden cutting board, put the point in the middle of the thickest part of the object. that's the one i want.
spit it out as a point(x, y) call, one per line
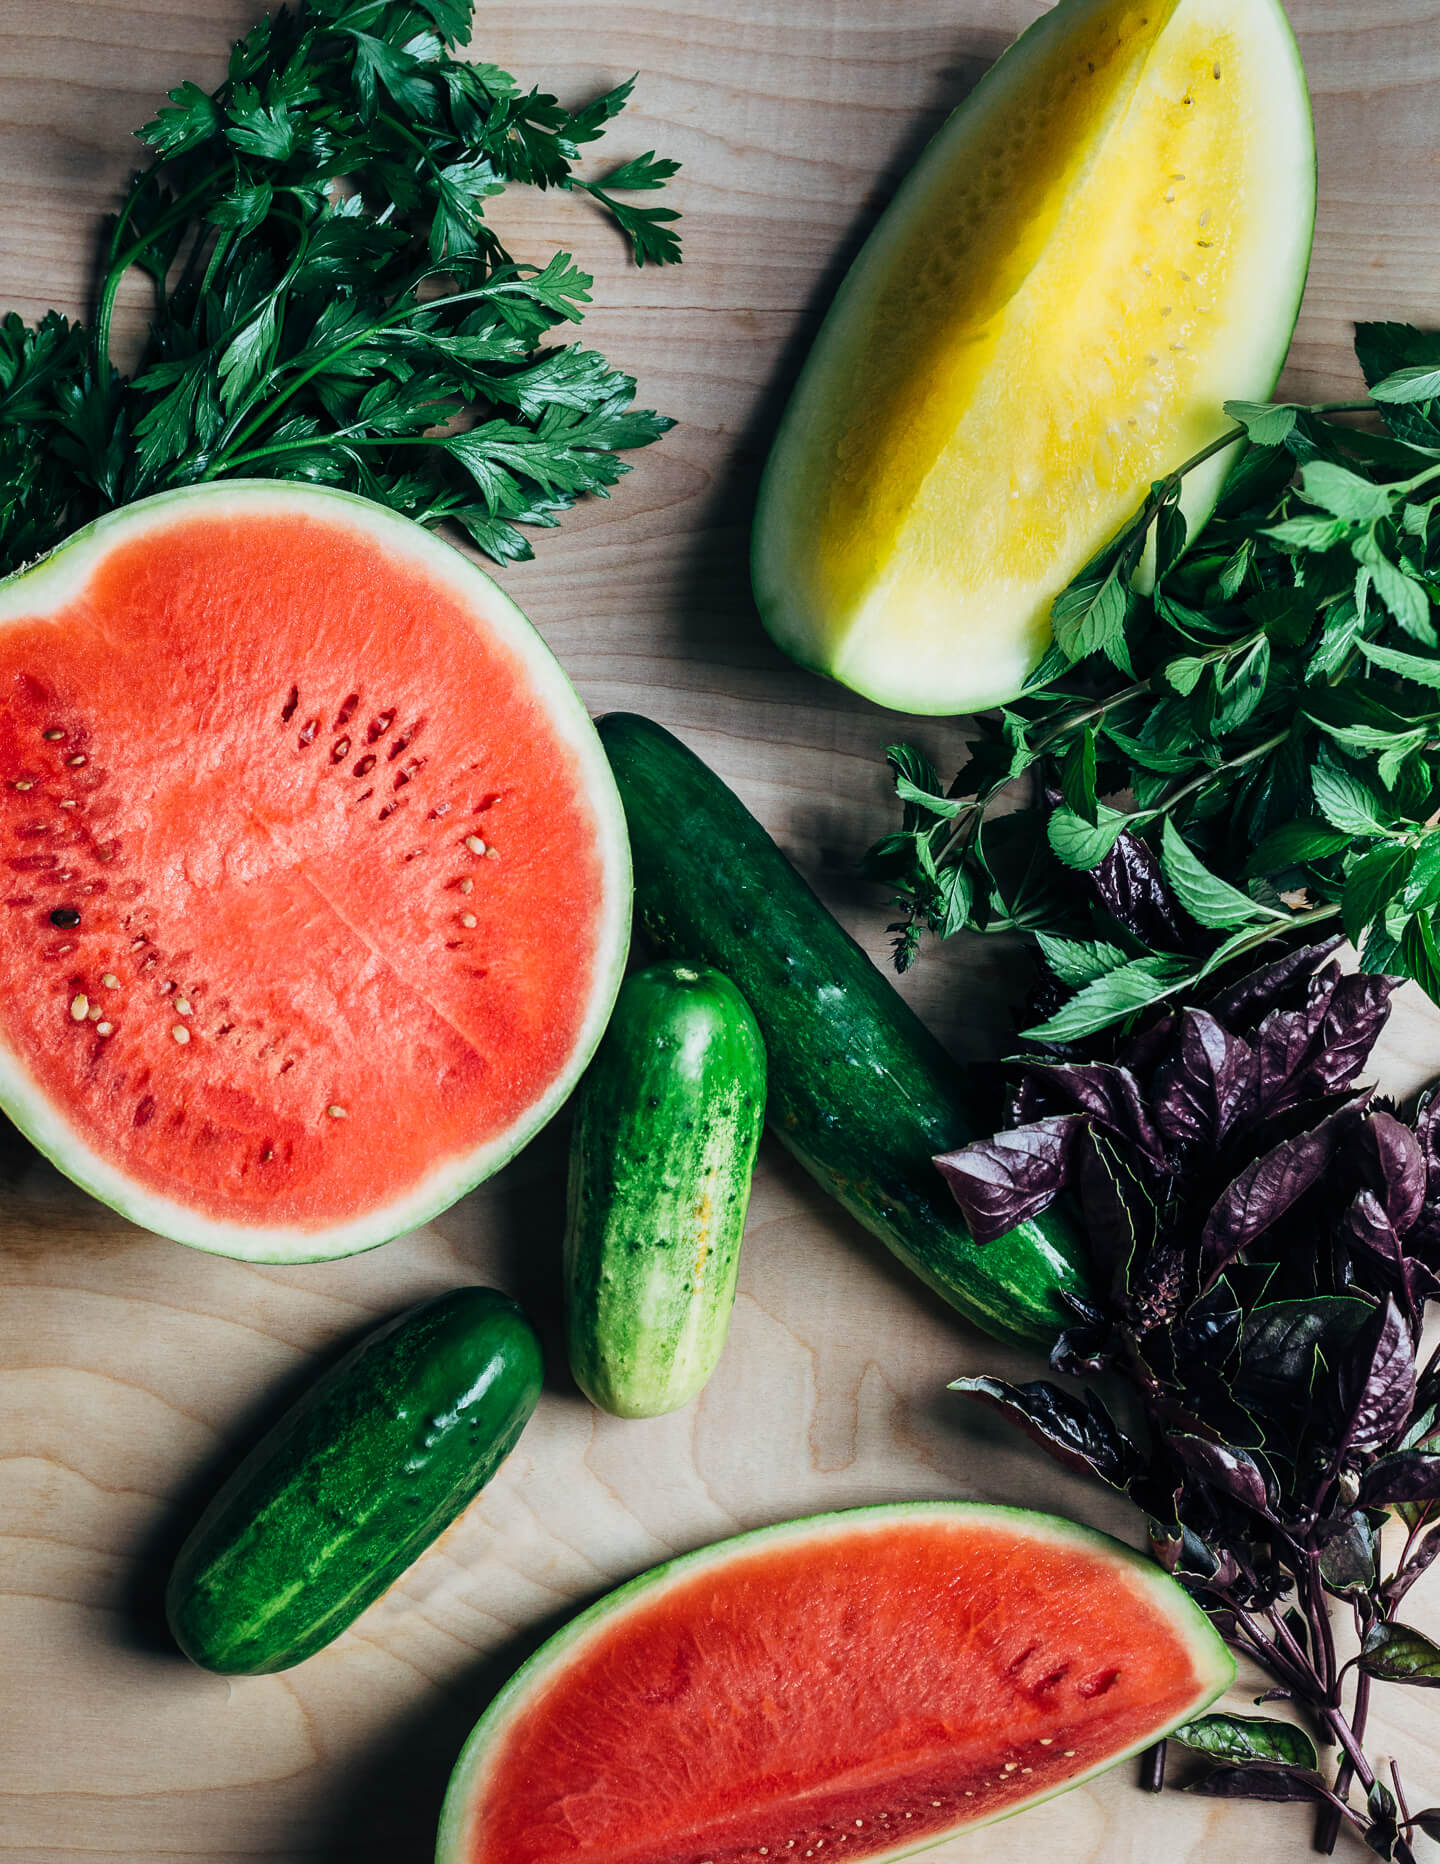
point(132, 1369)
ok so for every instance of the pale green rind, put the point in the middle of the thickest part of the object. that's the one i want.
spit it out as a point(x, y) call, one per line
point(780, 530)
point(1212, 1661)
point(59, 578)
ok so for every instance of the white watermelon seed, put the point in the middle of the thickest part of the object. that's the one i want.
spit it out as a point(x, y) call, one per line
point(1069, 1753)
point(337, 1113)
point(467, 885)
point(1047, 1740)
point(492, 854)
point(23, 783)
point(469, 921)
point(474, 844)
point(181, 1034)
point(182, 1007)
point(104, 1029)
point(1011, 1765)
point(76, 761)
point(95, 1012)
point(110, 981)
point(53, 736)
point(79, 1008)
point(69, 803)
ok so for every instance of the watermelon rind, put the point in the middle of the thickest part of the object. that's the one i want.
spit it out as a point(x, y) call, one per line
point(855, 641)
point(1213, 1663)
point(58, 579)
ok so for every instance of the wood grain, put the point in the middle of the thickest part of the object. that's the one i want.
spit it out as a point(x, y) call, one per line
point(133, 1371)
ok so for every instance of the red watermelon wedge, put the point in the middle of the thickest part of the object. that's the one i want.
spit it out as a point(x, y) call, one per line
point(314, 887)
point(857, 1685)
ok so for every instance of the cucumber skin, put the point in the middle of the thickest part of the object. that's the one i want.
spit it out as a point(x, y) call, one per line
point(354, 1482)
point(860, 1091)
point(668, 1119)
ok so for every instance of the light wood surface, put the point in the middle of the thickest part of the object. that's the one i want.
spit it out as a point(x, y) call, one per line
point(132, 1370)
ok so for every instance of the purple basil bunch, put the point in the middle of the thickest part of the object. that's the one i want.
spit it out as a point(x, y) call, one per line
point(1265, 1237)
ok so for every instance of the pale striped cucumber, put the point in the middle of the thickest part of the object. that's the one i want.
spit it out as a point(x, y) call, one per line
point(667, 1123)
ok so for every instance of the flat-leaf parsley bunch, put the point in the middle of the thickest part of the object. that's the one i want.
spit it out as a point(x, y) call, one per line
point(330, 302)
point(1264, 724)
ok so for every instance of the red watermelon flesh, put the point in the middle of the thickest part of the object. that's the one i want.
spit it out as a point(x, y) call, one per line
point(863, 1684)
point(315, 890)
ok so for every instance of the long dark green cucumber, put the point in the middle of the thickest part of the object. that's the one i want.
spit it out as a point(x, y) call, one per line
point(666, 1129)
point(860, 1091)
point(354, 1482)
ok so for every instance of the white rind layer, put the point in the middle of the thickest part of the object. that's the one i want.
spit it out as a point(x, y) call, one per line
point(59, 579)
point(460, 1828)
point(1278, 237)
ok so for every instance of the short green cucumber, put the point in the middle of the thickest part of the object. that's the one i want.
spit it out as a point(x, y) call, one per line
point(667, 1124)
point(859, 1090)
point(354, 1482)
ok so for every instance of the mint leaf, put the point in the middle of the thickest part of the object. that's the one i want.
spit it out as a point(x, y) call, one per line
point(1345, 801)
point(1134, 986)
point(1081, 844)
point(1079, 961)
point(1407, 385)
point(1209, 900)
point(1268, 424)
point(1344, 494)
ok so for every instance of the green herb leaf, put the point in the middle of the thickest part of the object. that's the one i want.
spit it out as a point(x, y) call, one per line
point(1082, 844)
point(1244, 1739)
point(1345, 800)
point(1208, 900)
point(1079, 961)
point(1268, 425)
point(1111, 998)
point(1396, 1653)
point(1408, 385)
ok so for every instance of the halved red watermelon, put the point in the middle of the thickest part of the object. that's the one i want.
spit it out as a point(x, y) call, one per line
point(315, 882)
point(857, 1685)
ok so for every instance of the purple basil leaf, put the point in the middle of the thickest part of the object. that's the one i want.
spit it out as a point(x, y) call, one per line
point(1391, 1165)
point(1347, 1554)
point(1271, 987)
point(1359, 1010)
point(1263, 1192)
point(1119, 1216)
point(1132, 888)
point(1397, 1654)
point(1365, 1226)
point(1248, 1741)
point(1407, 1476)
point(1286, 1044)
point(1002, 1181)
point(1209, 1330)
point(1111, 1096)
point(1377, 1381)
point(1234, 1472)
point(1283, 1340)
point(1270, 1783)
point(1081, 1434)
point(1414, 1569)
point(1204, 1084)
point(1428, 1822)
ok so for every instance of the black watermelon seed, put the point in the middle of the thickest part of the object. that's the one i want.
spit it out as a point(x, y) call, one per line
point(65, 916)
